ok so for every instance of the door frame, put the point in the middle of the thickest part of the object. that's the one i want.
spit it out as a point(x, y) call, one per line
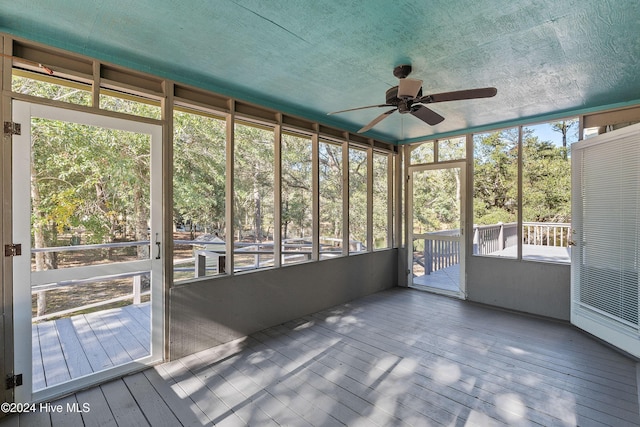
point(462, 165)
point(23, 111)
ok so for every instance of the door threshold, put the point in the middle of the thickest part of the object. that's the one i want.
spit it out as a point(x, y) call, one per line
point(445, 292)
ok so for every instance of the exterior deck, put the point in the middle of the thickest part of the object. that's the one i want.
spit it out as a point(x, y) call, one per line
point(72, 347)
point(398, 357)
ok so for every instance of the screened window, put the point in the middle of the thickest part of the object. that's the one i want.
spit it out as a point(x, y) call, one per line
point(546, 190)
point(198, 195)
point(296, 211)
point(357, 200)
point(382, 201)
point(50, 87)
point(451, 149)
point(331, 199)
point(131, 104)
point(253, 197)
point(423, 153)
point(495, 193)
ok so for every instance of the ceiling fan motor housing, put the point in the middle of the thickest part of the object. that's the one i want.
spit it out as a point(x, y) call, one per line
point(404, 105)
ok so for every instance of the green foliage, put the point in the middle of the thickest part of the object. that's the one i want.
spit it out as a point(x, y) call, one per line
point(199, 170)
point(296, 186)
point(331, 164)
point(85, 179)
point(254, 182)
point(95, 182)
point(435, 205)
point(381, 199)
point(546, 179)
point(358, 195)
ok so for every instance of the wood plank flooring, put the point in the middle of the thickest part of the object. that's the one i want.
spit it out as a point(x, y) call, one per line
point(400, 357)
point(72, 347)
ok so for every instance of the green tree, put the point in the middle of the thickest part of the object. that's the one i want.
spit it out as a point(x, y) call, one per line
point(495, 177)
point(254, 180)
point(199, 171)
point(296, 186)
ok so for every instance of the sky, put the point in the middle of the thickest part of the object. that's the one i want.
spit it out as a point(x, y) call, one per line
point(546, 133)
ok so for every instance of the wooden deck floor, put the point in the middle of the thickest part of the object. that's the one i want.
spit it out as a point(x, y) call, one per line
point(72, 347)
point(399, 357)
point(447, 279)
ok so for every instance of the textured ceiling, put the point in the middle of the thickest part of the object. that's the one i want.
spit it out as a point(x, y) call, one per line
point(311, 57)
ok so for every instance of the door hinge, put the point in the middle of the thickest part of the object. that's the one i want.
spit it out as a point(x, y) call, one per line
point(13, 249)
point(13, 381)
point(12, 128)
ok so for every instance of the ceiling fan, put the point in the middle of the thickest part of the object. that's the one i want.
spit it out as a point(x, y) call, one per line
point(407, 98)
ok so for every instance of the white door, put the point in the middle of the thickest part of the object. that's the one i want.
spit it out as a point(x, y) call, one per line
point(87, 200)
point(606, 223)
point(436, 232)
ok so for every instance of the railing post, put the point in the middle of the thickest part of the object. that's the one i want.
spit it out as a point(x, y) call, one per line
point(428, 256)
point(137, 286)
point(501, 236)
point(476, 240)
point(41, 307)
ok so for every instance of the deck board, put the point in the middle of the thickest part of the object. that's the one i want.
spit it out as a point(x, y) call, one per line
point(53, 361)
point(100, 414)
point(399, 357)
point(122, 404)
point(96, 354)
point(76, 359)
point(69, 416)
point(108, 339)
point(141, 330)
point(156, 411)
point(118, 329)
point(37, 369)
point(72, 347)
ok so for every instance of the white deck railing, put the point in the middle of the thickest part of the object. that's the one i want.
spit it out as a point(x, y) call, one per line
point(490, 239)
point(207, 257)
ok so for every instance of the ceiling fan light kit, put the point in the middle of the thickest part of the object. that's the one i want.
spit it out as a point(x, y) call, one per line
point(407, 98)
point(409, 88)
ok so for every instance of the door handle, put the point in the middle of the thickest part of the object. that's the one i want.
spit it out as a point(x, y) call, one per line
point(158, 245)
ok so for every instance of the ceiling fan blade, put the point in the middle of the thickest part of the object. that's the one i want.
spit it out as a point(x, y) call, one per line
point(409, 88)
point(486, 92)
point(427, 115)
point(377, 120)
point(360, 108)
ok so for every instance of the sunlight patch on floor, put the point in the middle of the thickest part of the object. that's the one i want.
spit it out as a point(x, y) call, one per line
point(511, 407)
point(446, 372)
point(516, 350)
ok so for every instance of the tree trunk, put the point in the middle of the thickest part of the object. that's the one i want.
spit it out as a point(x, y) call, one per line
point(38, 232)
point(258, 212)
point(141, 216)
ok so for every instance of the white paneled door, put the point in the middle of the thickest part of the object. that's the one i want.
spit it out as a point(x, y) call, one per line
point(606, 224)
